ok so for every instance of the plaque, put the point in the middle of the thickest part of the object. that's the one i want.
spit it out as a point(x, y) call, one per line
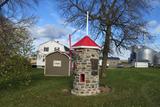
point(57, 63)
point(94, 64)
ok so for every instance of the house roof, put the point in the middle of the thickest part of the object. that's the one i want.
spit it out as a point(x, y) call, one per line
point(86, 42)
point(114, 58)
point(65, 47)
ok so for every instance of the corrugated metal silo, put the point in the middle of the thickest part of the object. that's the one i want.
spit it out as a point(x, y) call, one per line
point(146, 54)
point(157, 59)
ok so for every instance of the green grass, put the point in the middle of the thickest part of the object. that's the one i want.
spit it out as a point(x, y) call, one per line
point(130, 88)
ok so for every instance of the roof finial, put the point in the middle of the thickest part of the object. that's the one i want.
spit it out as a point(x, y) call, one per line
point(87, 23)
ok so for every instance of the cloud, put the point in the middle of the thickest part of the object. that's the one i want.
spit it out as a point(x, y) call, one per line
point(154, 3)
point(54, 32)
point(154, 27)
point(50, 31)
point(152, 23)
point(157, 29)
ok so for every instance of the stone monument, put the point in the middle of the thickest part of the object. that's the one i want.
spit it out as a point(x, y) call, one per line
point(86, 80)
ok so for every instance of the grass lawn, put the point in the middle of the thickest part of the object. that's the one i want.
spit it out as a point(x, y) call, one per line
point(130, 88)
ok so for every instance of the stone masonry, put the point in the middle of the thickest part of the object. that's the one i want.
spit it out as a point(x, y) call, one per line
point(86, 81)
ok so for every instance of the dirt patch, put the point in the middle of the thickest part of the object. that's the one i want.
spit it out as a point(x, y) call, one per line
point(105, 89)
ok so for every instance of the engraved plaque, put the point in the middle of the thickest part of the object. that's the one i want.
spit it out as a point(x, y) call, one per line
point(94, 64)
point(56, 63)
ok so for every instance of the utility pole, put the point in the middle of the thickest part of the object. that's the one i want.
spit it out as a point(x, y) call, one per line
point(70, 46)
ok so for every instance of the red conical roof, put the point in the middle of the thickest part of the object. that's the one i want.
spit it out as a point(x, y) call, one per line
point(86, 42)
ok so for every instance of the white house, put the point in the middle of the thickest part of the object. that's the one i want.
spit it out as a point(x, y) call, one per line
point(46, 48)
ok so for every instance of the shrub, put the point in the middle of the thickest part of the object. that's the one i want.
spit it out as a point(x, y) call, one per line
point(15, 71)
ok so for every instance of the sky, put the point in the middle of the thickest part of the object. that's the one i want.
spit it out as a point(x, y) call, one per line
point(52, 26)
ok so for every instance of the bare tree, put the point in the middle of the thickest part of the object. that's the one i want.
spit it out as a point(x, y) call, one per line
point(13, 5)
point(119, 23)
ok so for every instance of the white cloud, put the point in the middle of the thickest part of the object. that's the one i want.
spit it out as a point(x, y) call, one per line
point(157, 29)
point(154, 27)
point(154, 3)
point(48, 31)
point(152, 23)
point(52, 32)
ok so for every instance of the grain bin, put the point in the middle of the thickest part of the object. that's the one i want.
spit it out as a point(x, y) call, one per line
point(146, 55)
point(157, 59)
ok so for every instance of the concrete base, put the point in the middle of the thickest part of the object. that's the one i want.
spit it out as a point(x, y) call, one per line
point(38, 66)
point(77, 93)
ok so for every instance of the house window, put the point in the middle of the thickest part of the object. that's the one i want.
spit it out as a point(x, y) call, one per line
point(56, 49)
point(46, 49)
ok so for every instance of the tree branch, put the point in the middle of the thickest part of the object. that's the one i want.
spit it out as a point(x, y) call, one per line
point(3, 3)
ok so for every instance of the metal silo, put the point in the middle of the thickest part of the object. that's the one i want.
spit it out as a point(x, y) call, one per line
point(157, 59)
point(133, 56)
point(146, 54)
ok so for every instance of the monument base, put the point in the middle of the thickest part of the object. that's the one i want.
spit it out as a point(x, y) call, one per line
point(85, 93)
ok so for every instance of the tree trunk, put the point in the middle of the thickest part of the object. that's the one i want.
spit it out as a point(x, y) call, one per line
point(105, 51)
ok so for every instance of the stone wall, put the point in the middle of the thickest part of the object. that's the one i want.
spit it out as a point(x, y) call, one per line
point(86, 81)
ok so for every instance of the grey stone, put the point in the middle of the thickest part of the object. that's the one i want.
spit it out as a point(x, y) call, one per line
point(91, 84)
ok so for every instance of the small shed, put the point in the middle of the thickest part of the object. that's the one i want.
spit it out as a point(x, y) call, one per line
point(57, 64)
